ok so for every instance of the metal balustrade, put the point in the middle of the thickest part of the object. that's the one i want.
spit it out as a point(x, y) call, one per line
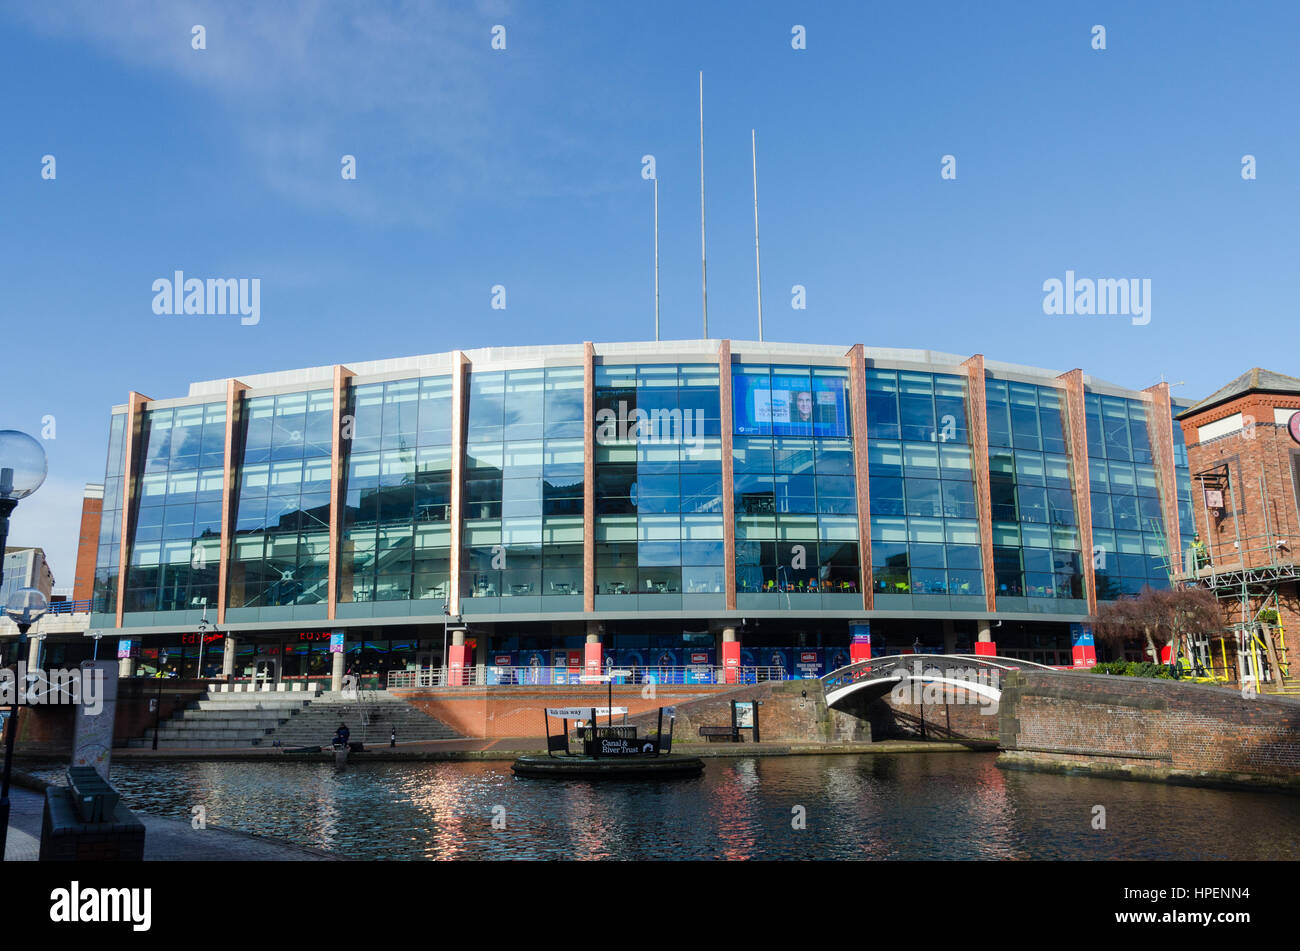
point(495, 676)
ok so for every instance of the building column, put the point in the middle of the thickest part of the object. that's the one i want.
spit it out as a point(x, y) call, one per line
point(1077, 430)
point(234, 396)
point(33, 653)
point(338, 452)
point(458, 655)
point(336, 671)
point(126, 668)
point(949, 637)
point(588, 478)
point(728, 482)
point(228, 650)
point(985, 646)
point(459, 395)
point(593, 659)
point(135, 405)
point(979, 445)
point(861, 474)
point(1160, 433)
point(729, 654)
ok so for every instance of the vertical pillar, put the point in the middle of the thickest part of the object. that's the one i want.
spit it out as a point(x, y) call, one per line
point(859, 641)
point(1083, 648)
point(135, 404)
point(985, 646)
point(728, 493)
point(234, 392)
point(979, 432)
point(337, 455)
point(229, 649)
point(1077, 433)
point(1160, 432)
point(729, 654)
point(34, 653)
point(460, 660)
point(336, 671)
point(588, 477)
point(858, 417)
point(949, 637)
point(459, 403)
point(593, 660)
point(126, 667)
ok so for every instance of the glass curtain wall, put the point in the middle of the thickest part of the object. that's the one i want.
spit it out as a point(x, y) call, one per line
point(110, 525)
point(658, 466)
point(522, 535)
point(1036, 548)
point(176, 527)
point(1183, 490)
point(794, 485)
point(925, 540)
point(280, 550)
point(395, 528)
point(1127, 526)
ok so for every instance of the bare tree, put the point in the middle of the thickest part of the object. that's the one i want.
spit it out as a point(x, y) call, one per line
point(1158, 618)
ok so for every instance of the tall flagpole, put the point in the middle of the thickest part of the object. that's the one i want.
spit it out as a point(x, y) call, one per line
point(704, 272)
point(758, 271)
point(656, 181)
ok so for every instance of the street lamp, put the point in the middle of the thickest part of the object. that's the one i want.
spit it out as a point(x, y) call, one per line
point(25, 607)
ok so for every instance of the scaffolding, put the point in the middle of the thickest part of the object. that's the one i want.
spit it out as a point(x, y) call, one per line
point(1246, 575)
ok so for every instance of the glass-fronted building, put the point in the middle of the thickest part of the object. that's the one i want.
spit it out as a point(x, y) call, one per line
point(659, 496)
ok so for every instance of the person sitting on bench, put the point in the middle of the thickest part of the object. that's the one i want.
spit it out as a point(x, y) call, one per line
point(341, 735)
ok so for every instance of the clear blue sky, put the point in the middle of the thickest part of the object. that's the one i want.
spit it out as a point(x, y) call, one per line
point(522, 168)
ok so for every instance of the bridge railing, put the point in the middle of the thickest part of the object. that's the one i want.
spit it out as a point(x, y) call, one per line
point(913, 664)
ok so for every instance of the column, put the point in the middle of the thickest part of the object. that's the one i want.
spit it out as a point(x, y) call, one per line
point(593, 660)
point(234, 392)
point(458, 394)
point(337, 451)
point(33, 653)
point(979, 445)
point(985, 646)
point(949, 638)
point(862, 481)
point(336, 672)
point(728, 493)
point(460, 661)
point(228, 650)
point(588, 478)
point(1077, 431)
point(729, 655)
point(1160, 431)
point(859, 641)
point(126, 667)
point(135, 404)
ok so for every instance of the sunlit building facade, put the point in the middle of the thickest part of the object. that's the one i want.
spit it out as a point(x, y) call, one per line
point(660, 498)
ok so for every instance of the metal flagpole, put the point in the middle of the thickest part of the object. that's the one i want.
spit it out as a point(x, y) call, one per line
point(704, 273)
point(758, 271)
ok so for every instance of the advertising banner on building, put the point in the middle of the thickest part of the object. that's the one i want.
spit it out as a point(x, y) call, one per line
point(1083, 648)
point(808, 663)
point(336, 642)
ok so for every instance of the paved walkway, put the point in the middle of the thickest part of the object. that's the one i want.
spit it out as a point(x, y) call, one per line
point(165, 840)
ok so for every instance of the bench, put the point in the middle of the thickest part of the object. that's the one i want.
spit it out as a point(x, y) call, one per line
point(716, 734)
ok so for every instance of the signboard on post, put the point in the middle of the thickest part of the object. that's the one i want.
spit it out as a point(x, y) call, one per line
point(92, 743)
point(336, 642)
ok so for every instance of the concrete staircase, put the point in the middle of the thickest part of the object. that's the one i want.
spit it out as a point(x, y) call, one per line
point(226, 721)
point(371, 716)
point(230, 720)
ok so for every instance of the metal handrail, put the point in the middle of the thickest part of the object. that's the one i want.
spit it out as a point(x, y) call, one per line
point(508, 676)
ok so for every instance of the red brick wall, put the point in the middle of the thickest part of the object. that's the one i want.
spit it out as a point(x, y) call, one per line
point(1174, 725)
point(490, 712)
point(83, 586)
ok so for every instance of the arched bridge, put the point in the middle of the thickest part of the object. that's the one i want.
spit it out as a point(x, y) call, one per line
point(979, 674)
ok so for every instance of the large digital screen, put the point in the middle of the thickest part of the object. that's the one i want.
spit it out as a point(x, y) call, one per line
point(789, 405)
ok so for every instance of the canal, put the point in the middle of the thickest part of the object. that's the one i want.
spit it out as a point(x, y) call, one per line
point(869, 806)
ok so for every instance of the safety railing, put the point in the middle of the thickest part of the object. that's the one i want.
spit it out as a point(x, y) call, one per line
point(69, 607)
point(494, 676)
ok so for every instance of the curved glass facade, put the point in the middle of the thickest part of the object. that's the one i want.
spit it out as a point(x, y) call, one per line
point(667, 535)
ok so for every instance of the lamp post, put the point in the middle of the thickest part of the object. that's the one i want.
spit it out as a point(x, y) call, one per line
point(96, 635)
point(22, 470)
point(25, 607)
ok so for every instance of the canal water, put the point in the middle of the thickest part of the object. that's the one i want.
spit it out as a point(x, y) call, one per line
point(870, 806)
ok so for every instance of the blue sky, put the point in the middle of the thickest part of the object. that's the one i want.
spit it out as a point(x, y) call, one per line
point(522, 168)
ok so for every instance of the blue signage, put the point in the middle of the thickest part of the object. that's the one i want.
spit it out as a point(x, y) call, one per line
point(789, 405)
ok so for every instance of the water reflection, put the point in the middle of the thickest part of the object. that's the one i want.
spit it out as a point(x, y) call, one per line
point(911, 806)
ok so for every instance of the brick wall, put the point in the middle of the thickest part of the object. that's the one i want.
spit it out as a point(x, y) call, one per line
point(83, 586)
point(48, 729)
point(517, 711)
point(1136, 722)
